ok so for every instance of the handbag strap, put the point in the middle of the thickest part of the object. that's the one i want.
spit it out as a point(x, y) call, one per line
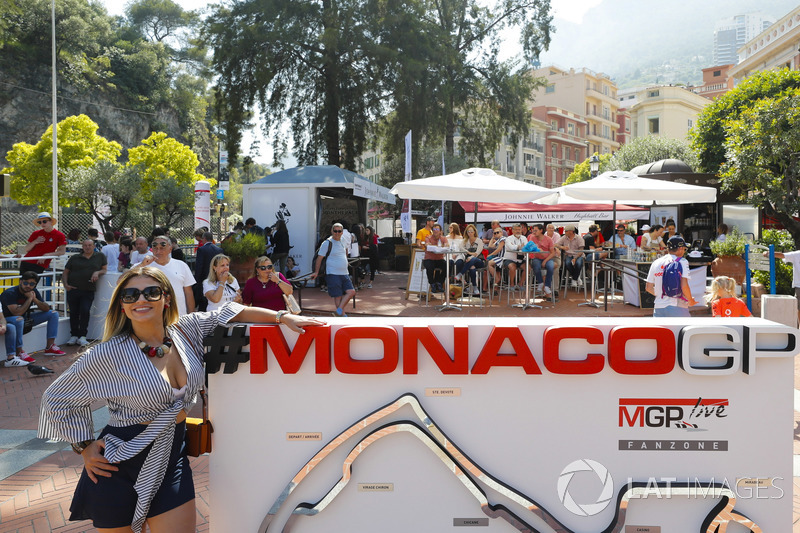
point(202, 392)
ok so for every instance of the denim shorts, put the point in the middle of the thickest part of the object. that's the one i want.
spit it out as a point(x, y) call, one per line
point(112, 501)
point(338, 284)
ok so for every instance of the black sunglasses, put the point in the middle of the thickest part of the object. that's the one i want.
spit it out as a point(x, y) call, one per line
point(496, 233)
point(43, 221)
point(337, 231)
point(266, 267)
point(29, 283)
point(151, 294)
point(161, 244)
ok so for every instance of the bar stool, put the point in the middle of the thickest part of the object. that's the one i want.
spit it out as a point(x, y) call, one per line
point(566, 277)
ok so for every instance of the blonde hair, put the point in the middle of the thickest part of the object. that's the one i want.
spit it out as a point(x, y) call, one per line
point(212, 274)
point(473, 228)
point(258, 262)
point(117, 322)
point(722, 284)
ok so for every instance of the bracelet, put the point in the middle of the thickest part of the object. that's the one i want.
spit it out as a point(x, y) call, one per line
point(78, 447)
point(279, 315)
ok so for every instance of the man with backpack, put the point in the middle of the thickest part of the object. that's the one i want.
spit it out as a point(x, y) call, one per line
point(337, 277)
point(668, 281)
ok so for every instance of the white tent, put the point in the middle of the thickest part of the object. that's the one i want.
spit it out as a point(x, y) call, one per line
point(629, 188)
point(473, 185)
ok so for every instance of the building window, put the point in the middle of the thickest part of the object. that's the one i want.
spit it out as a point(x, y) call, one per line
point(652, 126)
point(553, 150)
point(550, 88)
point(717, 73)
point(652, 94)
point(689, 123)
point(553, 125)
point(571, 128)
point(567, 153)
point(606, 132)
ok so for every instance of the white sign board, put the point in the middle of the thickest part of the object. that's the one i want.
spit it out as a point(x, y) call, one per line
point(367, 189)
point(509, 424)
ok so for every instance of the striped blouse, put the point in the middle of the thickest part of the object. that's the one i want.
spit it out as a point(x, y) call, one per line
point(120, 374)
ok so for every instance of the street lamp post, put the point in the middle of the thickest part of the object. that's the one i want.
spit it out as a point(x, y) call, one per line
point(594, 165)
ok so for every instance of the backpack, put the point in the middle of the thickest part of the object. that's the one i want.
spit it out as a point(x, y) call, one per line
point(671, 280)
point(322, 267)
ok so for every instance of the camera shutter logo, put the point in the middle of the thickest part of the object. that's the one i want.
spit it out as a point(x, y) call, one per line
point(585, 509)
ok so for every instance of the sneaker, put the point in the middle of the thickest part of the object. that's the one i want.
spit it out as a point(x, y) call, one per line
point(475, 291)
point(324, 289)
point(26, 357)
point(53, 349)
point(339, 312)
point(72, 341)
point(547, 290)
point(573, 283)
point(82, 341)
point(15, 361)
point(458, 278)
point(580, 282)
point(540, 286)
point(369, 285)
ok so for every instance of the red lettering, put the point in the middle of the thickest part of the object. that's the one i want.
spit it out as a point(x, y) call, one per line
point(264, 338)
point(457, 364)
point(592, 364)
point(662, 363)
point(345, 362)
point(625, 416)
point(490, 355)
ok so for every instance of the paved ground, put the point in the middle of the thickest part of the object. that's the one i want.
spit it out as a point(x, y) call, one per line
point(37, 478)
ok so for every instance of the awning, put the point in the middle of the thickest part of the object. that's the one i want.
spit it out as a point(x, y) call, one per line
point(533, 212)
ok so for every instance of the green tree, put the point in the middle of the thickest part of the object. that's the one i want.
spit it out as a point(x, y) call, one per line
point(106, 189)
point(79, 145)
point(763, 157)
point(160, 157)
point(169, 201)
point(583, 171)
point(157, 19)
point(709, 135)
point(311, 62)
point(652, 148)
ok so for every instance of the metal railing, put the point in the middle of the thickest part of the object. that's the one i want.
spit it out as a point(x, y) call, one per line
point(52, 290)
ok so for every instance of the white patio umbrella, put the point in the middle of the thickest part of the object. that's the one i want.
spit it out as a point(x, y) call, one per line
point(473, 185)
point(629, 188)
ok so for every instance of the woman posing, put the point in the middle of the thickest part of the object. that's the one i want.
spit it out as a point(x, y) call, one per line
point(267, 287)
point(149, 370)
point(221, 287)
point(472, 259)
point(454, 237)
point(280, 245)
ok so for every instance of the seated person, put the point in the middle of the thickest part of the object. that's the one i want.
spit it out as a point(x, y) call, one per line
point(544, 259)
point(572, 244)
point(653, 240)
point(495, 257)
point(623, 241)
point(18, 303)
point(593, 241)
point(434, 263)
point(511, 259)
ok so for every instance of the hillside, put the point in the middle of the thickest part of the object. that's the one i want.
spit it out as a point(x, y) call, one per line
point(649, 41)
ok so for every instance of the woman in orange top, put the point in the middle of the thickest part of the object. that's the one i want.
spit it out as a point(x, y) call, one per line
point(723, 299)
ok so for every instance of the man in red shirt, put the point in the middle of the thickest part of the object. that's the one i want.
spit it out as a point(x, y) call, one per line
point(44, 241)
point(545, 258)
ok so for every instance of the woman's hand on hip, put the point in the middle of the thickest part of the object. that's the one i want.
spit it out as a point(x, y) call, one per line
point(96, 464)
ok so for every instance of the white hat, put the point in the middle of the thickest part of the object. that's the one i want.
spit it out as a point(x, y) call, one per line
point(646, 227)
point(43, 215)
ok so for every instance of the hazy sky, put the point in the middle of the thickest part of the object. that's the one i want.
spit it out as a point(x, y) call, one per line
point(571, 10)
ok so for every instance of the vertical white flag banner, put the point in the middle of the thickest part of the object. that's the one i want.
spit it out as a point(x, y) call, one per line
point(441, 211)
point(405, 215)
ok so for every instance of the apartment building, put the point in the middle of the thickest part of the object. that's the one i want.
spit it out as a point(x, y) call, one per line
point(731, 33)
point(589, 94)
point(369, 164)
point(716, 82)
point(565, 142)
point(527, 161)
point(666, 110)
point(774, 48)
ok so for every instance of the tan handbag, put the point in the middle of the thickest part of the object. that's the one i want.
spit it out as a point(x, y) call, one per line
point(198, 432)
point(291, 304)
